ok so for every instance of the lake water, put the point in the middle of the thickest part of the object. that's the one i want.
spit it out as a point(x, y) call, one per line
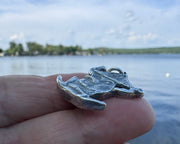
point(145, 71)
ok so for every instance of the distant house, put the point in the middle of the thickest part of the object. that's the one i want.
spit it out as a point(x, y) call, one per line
point(1, 54)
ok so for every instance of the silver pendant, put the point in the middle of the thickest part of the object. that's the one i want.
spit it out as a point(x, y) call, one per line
point(87, 93)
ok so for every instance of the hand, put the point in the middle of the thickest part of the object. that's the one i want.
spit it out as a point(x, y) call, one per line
point(32, 111)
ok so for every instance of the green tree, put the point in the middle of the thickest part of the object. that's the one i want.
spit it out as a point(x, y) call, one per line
point(15, 49)
point(51, 49)
point(90, 51)
point(61, 50)
point(78, 49)
point(35, 48)
point(1, 50)
point(72, 50)
point(20, 49)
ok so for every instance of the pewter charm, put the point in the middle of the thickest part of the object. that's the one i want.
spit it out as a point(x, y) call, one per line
point(87, 93)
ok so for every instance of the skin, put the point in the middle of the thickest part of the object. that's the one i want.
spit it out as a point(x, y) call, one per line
point(32, 110)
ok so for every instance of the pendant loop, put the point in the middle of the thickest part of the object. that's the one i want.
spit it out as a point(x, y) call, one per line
point(116, 69)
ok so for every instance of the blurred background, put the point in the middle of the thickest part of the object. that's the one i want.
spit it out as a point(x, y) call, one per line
point(64, 36)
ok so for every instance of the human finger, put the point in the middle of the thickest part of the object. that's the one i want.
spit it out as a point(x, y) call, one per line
point(122, 120)
point(26, 97)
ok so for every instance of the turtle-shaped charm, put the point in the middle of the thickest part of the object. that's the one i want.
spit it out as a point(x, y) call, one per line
point(87, 93)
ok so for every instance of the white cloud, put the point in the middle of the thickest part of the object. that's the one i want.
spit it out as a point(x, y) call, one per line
point(145, 37)
point(130, 16)
point(150, 36)
point(119, 31)
point(89, 23)
point(13, 37)
point(174, 41)
point(19, 37)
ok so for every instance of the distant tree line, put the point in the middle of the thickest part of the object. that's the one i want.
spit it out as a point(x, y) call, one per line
point(160, 50)
point(33, 49)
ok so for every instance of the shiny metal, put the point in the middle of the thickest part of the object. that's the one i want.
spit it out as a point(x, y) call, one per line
point(87, 93)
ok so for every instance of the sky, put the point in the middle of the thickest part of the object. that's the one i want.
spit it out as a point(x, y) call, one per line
point(91, 23)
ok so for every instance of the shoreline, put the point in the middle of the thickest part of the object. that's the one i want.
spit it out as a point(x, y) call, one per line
point(148, 54)
point(78, 51)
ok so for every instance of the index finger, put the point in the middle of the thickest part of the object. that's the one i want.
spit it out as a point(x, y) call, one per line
point(26, 97)
point(122, 120)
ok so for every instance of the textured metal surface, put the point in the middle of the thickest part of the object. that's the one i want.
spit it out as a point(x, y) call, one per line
point(87, 93)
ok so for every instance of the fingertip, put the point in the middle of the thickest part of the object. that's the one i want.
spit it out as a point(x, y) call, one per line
point(148, 116)
point(122, 120)
point(139, 119)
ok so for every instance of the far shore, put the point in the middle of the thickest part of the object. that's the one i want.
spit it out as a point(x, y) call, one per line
point(36, 49)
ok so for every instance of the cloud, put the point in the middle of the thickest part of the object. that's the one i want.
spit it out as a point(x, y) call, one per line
point(145, 37)
point(130, 16)
point(174, 41)
point(119, 31)
point(150, 36)
point(89, 23)
point(19, 37)
point(13, 37)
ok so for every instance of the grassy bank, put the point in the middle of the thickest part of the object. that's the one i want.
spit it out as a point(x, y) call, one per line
point(161, 50)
